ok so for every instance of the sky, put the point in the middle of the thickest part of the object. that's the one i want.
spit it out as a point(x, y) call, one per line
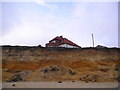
point(35, 23)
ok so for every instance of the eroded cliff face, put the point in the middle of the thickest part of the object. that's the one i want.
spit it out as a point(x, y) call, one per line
point(59, 64)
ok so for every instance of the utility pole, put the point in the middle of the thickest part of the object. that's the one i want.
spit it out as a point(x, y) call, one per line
point(93, 40)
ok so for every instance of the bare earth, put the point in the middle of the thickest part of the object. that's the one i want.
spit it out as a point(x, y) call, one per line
point(76, 84)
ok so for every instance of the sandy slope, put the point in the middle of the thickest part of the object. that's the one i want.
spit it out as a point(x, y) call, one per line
point(56, 64)
point(61, 85)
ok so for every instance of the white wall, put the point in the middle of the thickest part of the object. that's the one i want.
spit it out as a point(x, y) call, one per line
point(67, 46)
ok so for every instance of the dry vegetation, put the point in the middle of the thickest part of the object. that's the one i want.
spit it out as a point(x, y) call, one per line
point(42, 64)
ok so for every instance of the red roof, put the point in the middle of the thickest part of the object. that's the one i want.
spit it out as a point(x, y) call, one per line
point(65, 40)
point(62, 41)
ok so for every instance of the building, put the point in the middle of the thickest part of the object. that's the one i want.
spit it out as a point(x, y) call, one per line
point(59, 41)
point(100, 46)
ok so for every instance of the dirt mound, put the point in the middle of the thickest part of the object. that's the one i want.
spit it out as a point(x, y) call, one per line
point(56, 71)
point(22, 76)
point(53, 72)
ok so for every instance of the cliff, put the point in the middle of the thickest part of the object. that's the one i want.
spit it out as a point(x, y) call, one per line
point(22, 63)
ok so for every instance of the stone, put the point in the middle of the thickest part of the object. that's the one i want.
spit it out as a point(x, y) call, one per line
point(60, 82)
point(13, 85)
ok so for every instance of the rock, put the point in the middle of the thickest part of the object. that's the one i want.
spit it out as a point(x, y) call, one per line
point(118, 79)
point(104, 69)
point(60, 82)
point(16, 78)
point(117, 67)
point(45, 71)
point(20, 76)
point(89, 78)
point(86, 81)
point(55, 71)
point(13, 85)
point(71, 72)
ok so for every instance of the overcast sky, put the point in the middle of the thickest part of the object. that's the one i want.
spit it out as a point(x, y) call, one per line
point(34, 23)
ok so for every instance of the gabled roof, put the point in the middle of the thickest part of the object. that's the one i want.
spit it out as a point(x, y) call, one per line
point(64, 41)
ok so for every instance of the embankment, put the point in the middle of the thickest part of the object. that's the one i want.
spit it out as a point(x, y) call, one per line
point(22, 63)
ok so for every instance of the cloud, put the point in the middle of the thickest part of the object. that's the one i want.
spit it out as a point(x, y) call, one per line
point(99, 19)
point(34, 30)
point(43, 3)
point(38, 26)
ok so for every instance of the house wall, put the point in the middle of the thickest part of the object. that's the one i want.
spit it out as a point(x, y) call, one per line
point(67, 46)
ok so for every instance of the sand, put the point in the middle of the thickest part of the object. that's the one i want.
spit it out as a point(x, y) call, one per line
point(76, 84)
